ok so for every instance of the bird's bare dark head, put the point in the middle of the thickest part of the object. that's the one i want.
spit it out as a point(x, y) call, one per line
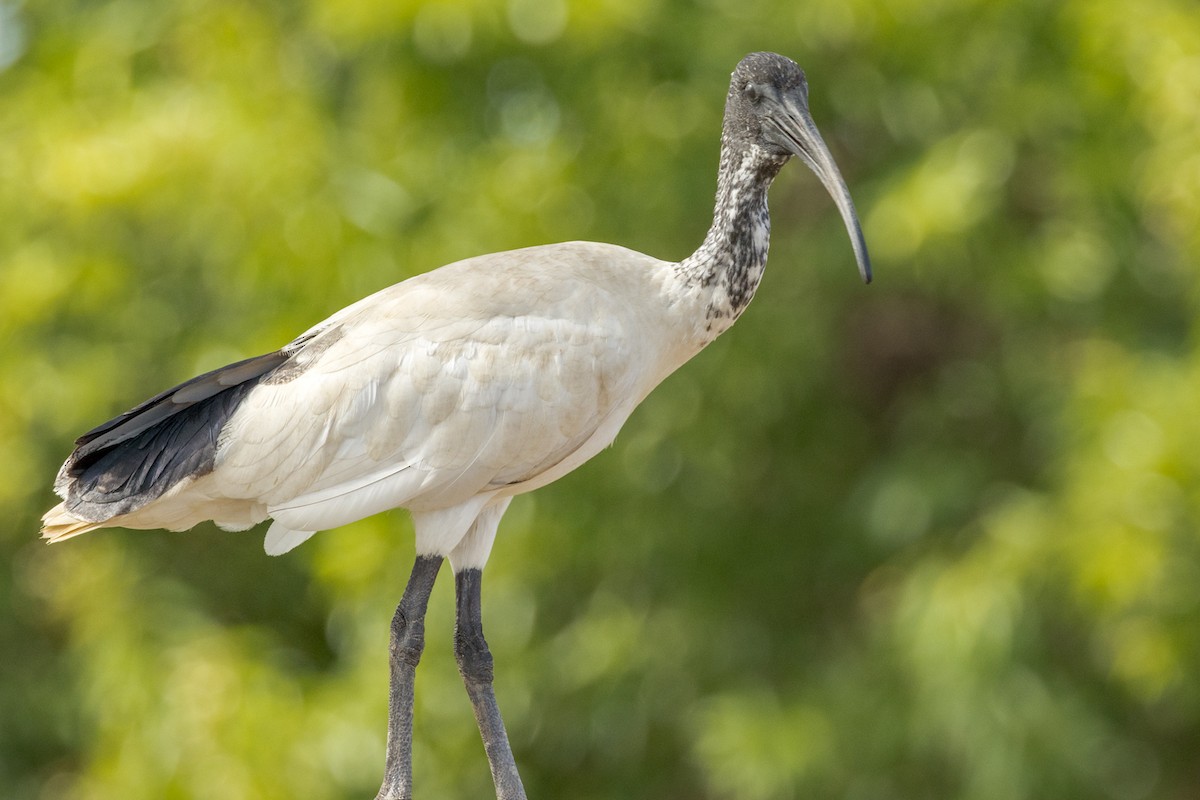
point(767, 113)
point(762, 86)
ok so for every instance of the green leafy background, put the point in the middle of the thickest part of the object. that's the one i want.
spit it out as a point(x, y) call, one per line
point(935, 538)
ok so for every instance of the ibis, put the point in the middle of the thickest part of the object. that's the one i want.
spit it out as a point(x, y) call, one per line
point(450, 393)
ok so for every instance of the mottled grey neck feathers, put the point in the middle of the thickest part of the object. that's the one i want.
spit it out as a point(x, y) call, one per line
point(730, 262)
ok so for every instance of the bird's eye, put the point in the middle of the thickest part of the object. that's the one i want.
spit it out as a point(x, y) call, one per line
point(753, 93)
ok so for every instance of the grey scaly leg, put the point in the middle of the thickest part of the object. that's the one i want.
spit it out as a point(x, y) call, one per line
point(407, 642)
point(475, 664)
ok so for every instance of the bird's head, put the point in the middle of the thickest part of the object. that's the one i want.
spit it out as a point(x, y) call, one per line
point(767, 108)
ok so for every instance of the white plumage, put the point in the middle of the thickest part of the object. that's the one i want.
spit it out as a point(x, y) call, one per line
point(445, 394)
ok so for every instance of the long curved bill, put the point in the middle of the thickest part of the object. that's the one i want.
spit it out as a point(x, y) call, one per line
point(799, 134)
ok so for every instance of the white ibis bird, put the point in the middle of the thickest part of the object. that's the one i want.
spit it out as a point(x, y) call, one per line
point(450, 393)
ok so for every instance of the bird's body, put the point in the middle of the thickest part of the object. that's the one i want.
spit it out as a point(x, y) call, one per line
point(450, 393)
point(445, 393)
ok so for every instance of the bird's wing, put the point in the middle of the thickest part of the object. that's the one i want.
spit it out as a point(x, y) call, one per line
point(457, 383)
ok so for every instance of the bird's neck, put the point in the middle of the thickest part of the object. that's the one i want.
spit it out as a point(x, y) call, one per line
point(728, 266)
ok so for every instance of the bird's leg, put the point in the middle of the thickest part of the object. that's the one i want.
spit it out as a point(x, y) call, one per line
point(407, 642)
point(475, 664)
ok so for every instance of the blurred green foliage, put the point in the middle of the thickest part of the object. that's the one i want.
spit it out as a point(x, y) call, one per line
point(932, 539)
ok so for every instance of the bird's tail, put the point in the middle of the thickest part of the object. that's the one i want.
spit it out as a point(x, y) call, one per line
point(58, 524)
